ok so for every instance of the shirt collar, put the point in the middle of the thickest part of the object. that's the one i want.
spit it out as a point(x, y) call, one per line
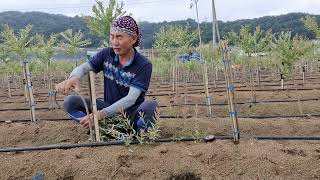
point(117, 58)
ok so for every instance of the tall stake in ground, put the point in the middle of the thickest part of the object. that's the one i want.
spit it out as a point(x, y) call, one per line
point(94, 106)
point(32, 104)
point(230, 93)
point(205, 69)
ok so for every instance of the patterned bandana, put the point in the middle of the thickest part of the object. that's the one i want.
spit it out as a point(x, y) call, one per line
point(128, 25)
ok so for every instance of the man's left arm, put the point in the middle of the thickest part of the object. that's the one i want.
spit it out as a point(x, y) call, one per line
point(139, 84)
point(123, 103)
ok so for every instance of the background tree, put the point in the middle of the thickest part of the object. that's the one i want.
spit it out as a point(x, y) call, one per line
point(311, 24)
point(45, 50)
point(44, 23)
point(289, 50)
point(20, 45)
point(172, 40)
point(73, 42)
point(100, 23)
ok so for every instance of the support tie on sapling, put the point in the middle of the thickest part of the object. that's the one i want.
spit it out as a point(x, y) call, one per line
point(53, 102)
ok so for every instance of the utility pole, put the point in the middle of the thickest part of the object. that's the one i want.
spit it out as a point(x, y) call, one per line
point(215, 29)
point(205, 68)
point(199, 31)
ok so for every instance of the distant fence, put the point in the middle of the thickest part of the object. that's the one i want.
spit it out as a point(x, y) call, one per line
point(150, 53)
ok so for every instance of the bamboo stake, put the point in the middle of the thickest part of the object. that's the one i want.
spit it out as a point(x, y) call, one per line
point(51, 94)
point(253, 92)
point(173, 79)
point(230, 89)
point(8, 85)
point(186, 74)
point(30, 91)
point(303, 75)
point(25, 84)
point(205, 70)
point(176, 75)
point(3, 81)
point(15, 82)
point(209, 110)
point(217, 76)
point(282, 81)
point(94, 106)
point(258, 75)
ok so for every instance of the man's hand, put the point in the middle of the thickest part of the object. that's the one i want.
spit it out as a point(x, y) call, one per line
point(65, 86)
point(88, 120)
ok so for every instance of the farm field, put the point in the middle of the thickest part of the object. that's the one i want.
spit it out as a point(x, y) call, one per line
point(228, 97)
point(276, 113)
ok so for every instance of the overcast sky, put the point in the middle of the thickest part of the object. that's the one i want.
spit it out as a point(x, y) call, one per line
point(169, 10)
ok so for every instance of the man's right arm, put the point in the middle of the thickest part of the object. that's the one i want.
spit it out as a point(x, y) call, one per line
point(81, 70)
point(94, 64)
point(73, 82)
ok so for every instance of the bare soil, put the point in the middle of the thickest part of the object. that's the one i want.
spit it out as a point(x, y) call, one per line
point(221, 159)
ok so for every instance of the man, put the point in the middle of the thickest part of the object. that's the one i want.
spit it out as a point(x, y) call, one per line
point(126, 79)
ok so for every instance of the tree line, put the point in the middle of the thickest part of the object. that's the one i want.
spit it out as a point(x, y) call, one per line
point(44, 23)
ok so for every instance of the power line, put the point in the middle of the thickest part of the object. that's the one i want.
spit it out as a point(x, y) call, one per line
point(85, 6)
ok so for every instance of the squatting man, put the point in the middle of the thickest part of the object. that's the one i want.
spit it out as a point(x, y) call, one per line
point(127, 76)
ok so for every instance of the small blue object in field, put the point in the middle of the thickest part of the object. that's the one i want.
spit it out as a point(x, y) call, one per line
point(196, 56)
point(188, 57)
point(38, 176)
point(184, 57)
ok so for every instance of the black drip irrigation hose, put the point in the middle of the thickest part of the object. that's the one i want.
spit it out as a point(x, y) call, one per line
point(188, 104)
point(188, 117)
point(237, 90)
point(218, 88)
point(162, 91)
point(212, 90)
point(222, 82)
point(243, 103)
point(292, 138)
point(98, 144)
point(168, 140)
point(26, 109)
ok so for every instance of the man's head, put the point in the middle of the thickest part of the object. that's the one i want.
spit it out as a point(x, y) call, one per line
point(124, 35)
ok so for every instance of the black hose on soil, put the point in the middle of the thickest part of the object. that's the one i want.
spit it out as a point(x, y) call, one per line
point(111, 143)
point(307, 138)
